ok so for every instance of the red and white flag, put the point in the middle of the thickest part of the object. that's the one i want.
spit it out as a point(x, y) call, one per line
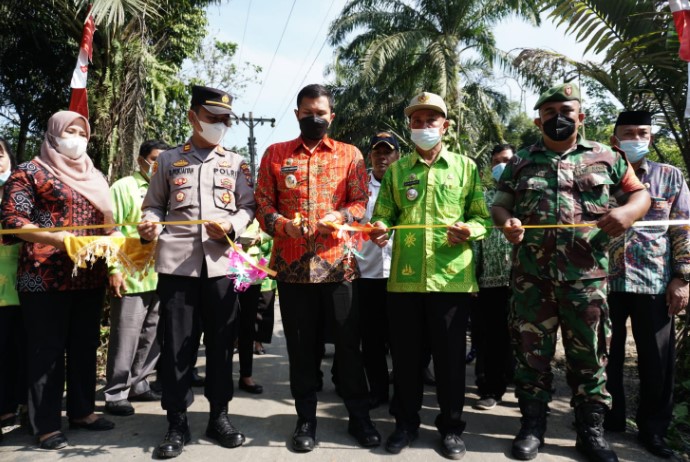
point(681, 18)
point(79, 101)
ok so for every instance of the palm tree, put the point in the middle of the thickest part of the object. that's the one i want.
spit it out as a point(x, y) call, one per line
point(389, 50)
point(639, 66)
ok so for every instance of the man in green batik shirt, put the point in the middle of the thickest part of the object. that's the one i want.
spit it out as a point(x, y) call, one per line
point(559, 272)
point(432, 271)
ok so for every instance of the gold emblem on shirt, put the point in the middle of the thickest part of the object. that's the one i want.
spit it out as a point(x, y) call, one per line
point(410, 240)
point(180, 181)
point(407, 270)
point(226, 198)
point(179, 197)
point(181, 163)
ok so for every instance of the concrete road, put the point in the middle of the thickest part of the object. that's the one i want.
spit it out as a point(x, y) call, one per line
point(268, 422)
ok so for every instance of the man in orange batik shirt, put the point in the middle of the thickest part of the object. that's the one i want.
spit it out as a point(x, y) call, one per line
point(304, 185)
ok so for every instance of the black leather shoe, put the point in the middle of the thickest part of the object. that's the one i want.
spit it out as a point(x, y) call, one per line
point(173, 442)
point(223, 431)
point(656, 445)
point(255, 389)
point(149, 395)
point(197, 380)
point(120, 407)
point(364, 432)
point(57, 441)
point(304, 438)
point(399, 440)
point(98, 425)
point(453, 447)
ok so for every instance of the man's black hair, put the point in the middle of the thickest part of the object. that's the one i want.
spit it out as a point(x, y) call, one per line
point(314, 91)
point(148, 146)
point(502, 147)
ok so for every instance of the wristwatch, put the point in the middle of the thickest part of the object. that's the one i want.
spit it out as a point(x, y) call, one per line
point(682, 276)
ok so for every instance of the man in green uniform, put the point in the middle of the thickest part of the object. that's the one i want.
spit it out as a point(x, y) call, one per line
point(432, 271)
point(559, 272)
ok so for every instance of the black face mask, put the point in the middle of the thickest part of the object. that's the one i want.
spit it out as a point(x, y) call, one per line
point(559, 128)
point(313, 127)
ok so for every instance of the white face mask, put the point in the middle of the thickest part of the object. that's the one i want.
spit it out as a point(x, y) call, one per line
point(212, 133)
point(426, 138)
point(73, 147)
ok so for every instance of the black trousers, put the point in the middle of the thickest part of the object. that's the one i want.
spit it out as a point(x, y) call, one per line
point(371, 296)
point(249, 302)
point(61, 327)
point(190, 305)
point(265, 316)
point(442, 317)
point(302, 307)
point(13, 391)
point(490, 335)
point(654, 335)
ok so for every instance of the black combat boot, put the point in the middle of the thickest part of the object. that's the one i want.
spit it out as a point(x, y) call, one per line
point(589, 421)
point(221, 429)
point(531, 436)
point(177, 436)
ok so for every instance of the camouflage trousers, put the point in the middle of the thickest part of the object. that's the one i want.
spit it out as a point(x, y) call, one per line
point(538, 307)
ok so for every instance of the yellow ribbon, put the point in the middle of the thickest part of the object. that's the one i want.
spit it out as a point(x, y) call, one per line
point(234, 246)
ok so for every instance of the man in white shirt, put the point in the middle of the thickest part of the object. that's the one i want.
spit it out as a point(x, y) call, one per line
point(374, 264)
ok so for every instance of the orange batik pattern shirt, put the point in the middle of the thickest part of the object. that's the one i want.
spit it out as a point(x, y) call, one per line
point(292, 180)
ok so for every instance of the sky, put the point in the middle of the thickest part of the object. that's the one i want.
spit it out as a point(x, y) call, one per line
point(287, 38)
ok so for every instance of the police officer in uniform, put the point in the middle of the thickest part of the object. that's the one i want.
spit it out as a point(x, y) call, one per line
point(197, 181)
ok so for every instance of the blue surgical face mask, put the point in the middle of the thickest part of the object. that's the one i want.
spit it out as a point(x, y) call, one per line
point(497, 170)
point(4, 176)
point(634, 150)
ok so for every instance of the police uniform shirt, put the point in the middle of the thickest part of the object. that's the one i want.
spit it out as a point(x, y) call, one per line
point(194, 184)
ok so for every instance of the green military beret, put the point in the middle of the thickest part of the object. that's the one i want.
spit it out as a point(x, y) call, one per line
point(562, 92)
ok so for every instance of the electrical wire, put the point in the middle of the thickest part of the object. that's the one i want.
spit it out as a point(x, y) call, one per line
point(268, 72)
point(288, 101)
point(244, 33)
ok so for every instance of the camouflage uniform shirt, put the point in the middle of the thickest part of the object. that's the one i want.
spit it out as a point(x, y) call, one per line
point(542, 187)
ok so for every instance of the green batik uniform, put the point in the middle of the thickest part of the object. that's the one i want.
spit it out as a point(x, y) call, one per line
point(446, 193)
point(559, 274)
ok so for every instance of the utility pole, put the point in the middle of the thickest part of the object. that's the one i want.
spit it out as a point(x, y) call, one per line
point(251, 122)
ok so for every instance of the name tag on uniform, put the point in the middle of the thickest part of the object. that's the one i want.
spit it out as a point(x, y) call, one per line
point(411, 183)
point(289, 169)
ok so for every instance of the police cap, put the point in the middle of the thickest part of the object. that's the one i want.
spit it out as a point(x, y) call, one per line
point(213, 100)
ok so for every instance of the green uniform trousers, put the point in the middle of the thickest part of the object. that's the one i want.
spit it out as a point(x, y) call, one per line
point(538, 307)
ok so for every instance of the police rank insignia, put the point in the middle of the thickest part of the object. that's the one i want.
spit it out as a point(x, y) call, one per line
point(154, 169)
point(290, 181)
point(186, 148)
point(180, 181)
point(181, 162)
point(224, 163)
point(179, 197)
point(226, 198)
point(247, 174)
point(227, 183)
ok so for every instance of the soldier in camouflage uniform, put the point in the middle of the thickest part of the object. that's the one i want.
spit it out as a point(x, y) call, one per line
point(559, 272)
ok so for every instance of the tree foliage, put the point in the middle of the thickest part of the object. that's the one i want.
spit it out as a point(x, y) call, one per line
point(390, 50)
point(639, 64)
